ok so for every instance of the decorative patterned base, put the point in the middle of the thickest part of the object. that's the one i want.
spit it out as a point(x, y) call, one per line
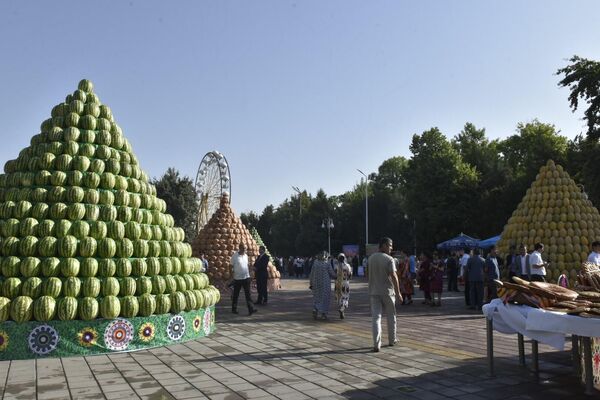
point(100, 336)
point(595, 362)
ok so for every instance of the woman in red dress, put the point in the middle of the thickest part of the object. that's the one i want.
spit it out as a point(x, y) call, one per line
point(425, 277)
point(405, 278)
point(437, 280)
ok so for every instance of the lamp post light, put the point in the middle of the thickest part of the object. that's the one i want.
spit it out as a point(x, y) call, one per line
point(328, 223)
point(366, 208)
point(297, 190)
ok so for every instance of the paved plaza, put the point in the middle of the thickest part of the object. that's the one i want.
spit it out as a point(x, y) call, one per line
point(281, 353)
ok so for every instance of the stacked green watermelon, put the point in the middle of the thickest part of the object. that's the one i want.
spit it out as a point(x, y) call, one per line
point(82, 233)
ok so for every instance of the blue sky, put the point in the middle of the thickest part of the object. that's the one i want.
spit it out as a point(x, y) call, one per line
point(292, 92)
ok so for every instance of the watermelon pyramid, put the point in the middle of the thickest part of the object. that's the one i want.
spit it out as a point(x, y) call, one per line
point(555, 212)
point(90, 260)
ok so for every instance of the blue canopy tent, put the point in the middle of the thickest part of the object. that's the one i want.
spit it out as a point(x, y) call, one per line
point(459, 242)
point(487, 243)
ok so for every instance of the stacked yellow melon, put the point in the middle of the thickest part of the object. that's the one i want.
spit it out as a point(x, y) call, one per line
point(558, 214)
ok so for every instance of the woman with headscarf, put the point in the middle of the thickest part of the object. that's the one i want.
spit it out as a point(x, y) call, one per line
point(342, 283)
point(320, 283)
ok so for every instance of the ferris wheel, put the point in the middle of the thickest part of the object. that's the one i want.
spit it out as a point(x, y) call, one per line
point(213, 180)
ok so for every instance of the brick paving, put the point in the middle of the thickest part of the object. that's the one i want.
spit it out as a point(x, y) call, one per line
point(281, 353)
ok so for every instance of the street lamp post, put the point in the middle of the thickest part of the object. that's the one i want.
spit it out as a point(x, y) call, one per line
point(328, 223)
point(366, 208)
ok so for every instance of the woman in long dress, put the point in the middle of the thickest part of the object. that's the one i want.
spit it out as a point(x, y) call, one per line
point(342, 284)
point(405, 278)
point(425, 278)
point(320, 283)
point(437, 280)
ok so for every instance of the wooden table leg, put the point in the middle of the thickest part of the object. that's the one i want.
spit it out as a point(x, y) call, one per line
point(587, 356)
point(490, 345)
point(521, 349)
point(576, 357)
point(534, 356)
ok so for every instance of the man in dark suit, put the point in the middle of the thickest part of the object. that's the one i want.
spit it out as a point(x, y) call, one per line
point(261, 274)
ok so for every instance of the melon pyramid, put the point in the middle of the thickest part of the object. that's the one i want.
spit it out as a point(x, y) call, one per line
point(219, 239)
point(555, 212)
point(84, 240)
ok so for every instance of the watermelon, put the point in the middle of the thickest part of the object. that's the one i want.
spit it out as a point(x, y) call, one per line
point(86, 86)
point(190, 300)
point(22, 209)
point(58, 178)
point(127, 286)
point(10, 266)
point(122, 198)
point(75, 178)
point(69, 267)
point(80, 229)
point(158, 284)
point(107, 248)
point(52, 287)
point(88, 136)
point(62, 229)
point(106, 268)
point(170, 284)
point(139, 267)
point(121, 182)
point(147, 304)
point(97, 167)
point(124, 267)
point(90, 287)
point(30, 266)
point(10, 246)
point(11, 287)
point(28, 227)
point(58, 211)
point(45, 229)
point(152, 266)
point(67, 246)
point(66, 308)
point(199, 298)
point(79, 95)
point(129, 306)
point(72, 133)
point(98, 230)
point(4, 309)
point(108, 213)
point(76, 211)
point(143, 285)
point(124, 248)
point(165, 266)
point(88, 267)
point(116, 230)
point(87, 247)
point(163, 304)
point(90, 110)
point(63, 163)
point(113, 166)
point(175, 265)
point(124, 213)
point(140, 248)
point(110, 286)
point(178, 302)
point(9, 227)
point(71, 286)
point(81, 163)
point(190, 283)
point(40, 211)
point(50, 266)
point(92, 212)
point(110, 307)
point(74, 194)
point(56, 194)
point(92, 196)
point(32, 287)
point(181, 285)
point(21, 309)
point(103, 153)
point(44, 308)
point(88, 308)
point(107, 197)
point(6, 209)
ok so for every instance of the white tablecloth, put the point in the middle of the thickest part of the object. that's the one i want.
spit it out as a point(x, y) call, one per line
point(546, 327)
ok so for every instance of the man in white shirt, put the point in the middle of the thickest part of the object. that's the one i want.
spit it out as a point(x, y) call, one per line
point(241, 279)
point(536, 264)
point(594, 256)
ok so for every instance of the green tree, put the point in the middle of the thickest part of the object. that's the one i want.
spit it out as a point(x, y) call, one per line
point(582, 77)
point(441, 188)
point(182, 203)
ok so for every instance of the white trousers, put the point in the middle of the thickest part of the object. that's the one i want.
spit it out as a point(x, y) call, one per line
point(380, 304)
